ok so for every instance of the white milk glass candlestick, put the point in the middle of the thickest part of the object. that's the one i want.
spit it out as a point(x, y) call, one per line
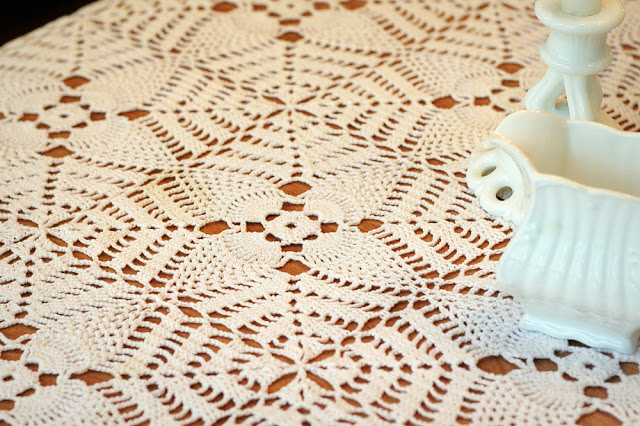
point(571, 185)
point(581, 7)
point(575, 51)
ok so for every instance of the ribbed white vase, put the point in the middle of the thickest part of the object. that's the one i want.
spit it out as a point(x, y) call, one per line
point(574, 262)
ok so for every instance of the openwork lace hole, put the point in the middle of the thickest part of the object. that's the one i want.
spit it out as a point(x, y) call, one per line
point(504, 193)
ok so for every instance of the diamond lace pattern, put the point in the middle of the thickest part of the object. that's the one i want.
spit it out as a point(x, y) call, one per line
point(256, 212)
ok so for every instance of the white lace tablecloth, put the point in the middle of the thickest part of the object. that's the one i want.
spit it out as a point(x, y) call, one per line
point(256, 212)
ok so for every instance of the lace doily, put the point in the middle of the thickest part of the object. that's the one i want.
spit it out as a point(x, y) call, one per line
point(256, 212)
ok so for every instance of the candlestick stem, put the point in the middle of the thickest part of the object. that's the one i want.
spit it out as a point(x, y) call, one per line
point(581, 7)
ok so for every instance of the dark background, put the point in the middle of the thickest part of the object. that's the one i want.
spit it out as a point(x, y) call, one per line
point(18, 17)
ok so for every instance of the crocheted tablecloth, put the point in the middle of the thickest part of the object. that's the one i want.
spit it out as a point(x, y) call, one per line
point(256, 212)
